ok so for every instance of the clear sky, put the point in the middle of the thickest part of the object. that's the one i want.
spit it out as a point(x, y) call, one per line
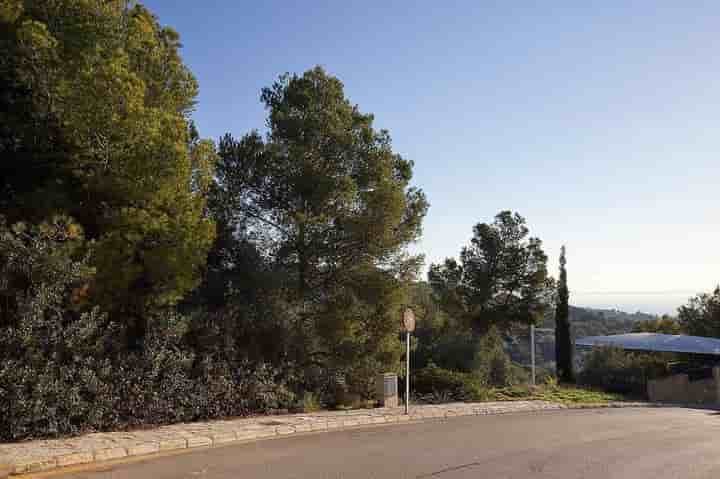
point(599, 124)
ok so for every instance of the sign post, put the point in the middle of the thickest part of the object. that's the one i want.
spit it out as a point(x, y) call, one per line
point(532, 352)
point(408, 319)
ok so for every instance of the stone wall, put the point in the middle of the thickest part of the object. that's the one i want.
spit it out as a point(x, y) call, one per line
point(679, 388)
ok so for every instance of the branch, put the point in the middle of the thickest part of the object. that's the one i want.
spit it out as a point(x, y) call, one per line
point(266, 221)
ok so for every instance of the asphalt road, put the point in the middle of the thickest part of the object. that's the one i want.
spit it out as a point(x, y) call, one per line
point(594, 444)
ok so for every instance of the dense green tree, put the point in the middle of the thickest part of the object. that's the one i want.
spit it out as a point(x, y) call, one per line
point(329, 206)
point(501, 278)
point(440, 338)
point(665, 324)
point(563, 336)
point(324, 190)
point(94, 107)
point(701, 315)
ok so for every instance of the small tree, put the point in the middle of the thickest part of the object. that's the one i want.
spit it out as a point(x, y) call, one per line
point(501, 278)
point(492, 363)
point(701, 316)
point(563, 341)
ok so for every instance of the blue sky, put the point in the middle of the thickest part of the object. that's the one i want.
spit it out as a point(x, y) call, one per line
point(598, 123)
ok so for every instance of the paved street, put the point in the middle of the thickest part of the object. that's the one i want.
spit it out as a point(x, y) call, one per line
point(43, 455)
point(608, 443)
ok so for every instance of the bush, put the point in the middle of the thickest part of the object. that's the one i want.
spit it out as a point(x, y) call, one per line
point(492, 364)
point(308, 403)
point(161, 385)
point(492, 369)
point(57, 373)
point(618, 371)
point(434, 384)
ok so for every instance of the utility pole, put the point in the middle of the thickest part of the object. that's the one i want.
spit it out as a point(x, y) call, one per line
point(408, 320)
point(407, 373)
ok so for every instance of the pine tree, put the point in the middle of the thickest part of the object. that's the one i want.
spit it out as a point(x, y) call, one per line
point(563, 341)
point(94, 125)
point(330, 204)
point(501, 278)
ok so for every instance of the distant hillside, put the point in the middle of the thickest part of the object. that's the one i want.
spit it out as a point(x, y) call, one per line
point(595, 322)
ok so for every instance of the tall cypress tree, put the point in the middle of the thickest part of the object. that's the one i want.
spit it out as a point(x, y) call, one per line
point(563, 341)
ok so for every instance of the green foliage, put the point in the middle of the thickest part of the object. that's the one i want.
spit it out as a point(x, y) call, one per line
point(162, 385)
point(451, 343)
point(598, 322)
point(46, 359)
point(501, 278)
point(553, 393)
point(324, 192)
point(55, 375)
point(665, 325)
point(309, 403)
point(307, 273)
point(550, 381)
point(499, 286)
point(563, 335)
point(95, 100)
point(618, 371)
point(439, 337)
point(491, 368)
point(701, 315)
point(319, 212)
point(435, 384)
point(297, 240)
point(493, 365)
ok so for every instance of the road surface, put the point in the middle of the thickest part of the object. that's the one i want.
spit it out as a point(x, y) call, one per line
point(591, 444)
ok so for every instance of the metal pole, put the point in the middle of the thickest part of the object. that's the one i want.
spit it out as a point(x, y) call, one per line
point(407, 373)
point(532, 352)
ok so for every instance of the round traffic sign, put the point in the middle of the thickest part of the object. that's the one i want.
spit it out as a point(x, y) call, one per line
point(408, 319)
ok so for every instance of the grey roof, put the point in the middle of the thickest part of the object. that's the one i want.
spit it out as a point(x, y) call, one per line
point(673, 343)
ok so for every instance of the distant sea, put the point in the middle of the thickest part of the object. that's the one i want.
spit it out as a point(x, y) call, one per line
point(652, 303)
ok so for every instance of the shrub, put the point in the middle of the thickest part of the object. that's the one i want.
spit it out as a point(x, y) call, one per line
point(546, 375)
point(550, 381)
point(618, 371)
point(57, 376)
point(492, 364)
point(492, 369)
point(160, 386)
point(309, 402)
point(435, 384)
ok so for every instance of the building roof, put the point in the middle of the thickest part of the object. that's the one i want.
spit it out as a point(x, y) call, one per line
point(673, 343)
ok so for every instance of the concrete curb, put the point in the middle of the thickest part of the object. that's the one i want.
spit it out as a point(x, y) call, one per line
point(5, 470)
point(96, 448)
